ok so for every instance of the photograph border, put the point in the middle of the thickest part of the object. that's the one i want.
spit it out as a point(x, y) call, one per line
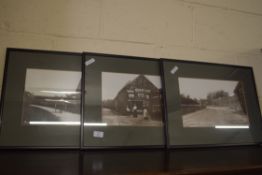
point(173, 129)
point(9, 50)
point(122, 147)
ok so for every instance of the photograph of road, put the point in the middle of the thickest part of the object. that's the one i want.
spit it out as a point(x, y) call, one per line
point(211, 103)
point(51, 96)
point(131, 99)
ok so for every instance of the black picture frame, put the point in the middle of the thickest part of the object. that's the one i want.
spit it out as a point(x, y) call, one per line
point(111, 135)
point(191, 125)
point(17, 128)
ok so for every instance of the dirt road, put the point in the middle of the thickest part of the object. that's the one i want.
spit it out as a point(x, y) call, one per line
point(111, 118)
point(211, 116)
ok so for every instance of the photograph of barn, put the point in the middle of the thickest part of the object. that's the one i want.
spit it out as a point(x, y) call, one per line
point(131, 99)
point(211, 103)
point(50, 97)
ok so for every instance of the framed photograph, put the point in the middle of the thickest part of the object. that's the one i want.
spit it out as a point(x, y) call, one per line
point(41, 99)
point(123, 102)
point(210, 104)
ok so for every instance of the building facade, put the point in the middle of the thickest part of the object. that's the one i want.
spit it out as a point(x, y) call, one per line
point(140, 95)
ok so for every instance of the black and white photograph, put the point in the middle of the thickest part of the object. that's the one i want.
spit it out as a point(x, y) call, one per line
point(131, 99)
point(51, 97)
point(211, 103)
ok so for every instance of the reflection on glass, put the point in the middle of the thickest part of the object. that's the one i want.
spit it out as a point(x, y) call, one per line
point(53, 123)
point(51, 97)
point(95, 124)
point(65, 123)
point(213, 103)
point(232, 127)
point(131, 99)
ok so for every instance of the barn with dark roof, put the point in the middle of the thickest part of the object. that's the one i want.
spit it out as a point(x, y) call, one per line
point(142, 93)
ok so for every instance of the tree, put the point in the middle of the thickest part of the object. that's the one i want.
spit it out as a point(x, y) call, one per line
point(215, 95)
point(188, 100)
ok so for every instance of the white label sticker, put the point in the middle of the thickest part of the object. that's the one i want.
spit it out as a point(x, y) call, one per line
point(97, 165)
point(98, 134)
point(173, 71)
point(91, 61)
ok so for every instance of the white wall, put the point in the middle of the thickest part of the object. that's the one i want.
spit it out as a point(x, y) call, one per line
point(220, 31)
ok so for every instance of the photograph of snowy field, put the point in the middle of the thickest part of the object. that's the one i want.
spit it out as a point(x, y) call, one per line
point(212, 103)
point(131, 99)
point(51, 96)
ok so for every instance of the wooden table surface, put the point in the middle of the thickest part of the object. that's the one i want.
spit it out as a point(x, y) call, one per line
point(194, 161)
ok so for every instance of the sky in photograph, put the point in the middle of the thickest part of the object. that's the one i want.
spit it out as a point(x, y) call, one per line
point(199, 88)
point(112, 83)
point(47, 82)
